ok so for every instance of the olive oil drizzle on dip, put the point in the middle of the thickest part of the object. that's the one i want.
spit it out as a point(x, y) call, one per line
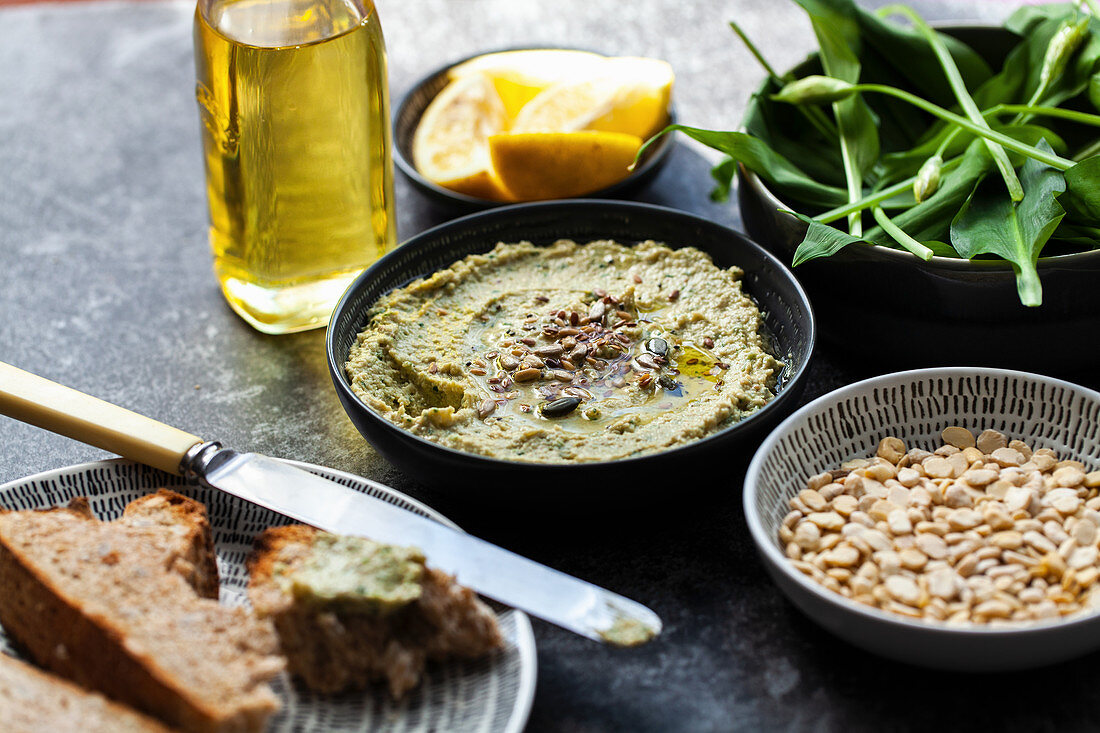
point(567, 364)
point(567, 352)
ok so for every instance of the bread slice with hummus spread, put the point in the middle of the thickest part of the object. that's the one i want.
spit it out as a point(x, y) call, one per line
point(350, 611)
point(32, 701)
point(127, 608)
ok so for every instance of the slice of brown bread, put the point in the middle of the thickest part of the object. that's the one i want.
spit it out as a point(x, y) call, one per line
point(180, 526)
point(115, 607)
point(335, 650)
point(33, 701)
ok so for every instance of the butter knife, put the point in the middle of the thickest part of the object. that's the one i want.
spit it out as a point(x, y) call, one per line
point(494, 572)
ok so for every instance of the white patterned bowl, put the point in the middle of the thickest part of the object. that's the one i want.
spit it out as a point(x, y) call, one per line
point(488, 695)
point(916, 406)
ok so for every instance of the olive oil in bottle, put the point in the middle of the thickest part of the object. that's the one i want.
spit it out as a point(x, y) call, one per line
point(299, 180)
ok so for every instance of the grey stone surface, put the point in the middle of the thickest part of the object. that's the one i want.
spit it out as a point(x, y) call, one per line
point(106, 285)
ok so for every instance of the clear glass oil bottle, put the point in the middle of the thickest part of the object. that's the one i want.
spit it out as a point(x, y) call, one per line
point(294, 105)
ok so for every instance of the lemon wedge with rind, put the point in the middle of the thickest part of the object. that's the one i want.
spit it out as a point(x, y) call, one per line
point(450, 146)
point(629, 95)
point(548, 165)
point(521, 74)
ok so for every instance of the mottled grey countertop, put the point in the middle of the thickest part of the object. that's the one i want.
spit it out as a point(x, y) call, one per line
point(106, 286)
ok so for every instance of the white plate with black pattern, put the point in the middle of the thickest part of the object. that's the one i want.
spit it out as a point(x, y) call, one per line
point(916, 406)
point(490, 694)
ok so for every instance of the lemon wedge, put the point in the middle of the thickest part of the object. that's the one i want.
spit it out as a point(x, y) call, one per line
point(520, 75)
point(450, 145)
point(547, 165)
point(629, 95)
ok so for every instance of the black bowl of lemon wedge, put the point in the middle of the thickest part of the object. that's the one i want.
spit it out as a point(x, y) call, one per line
point(530, 124)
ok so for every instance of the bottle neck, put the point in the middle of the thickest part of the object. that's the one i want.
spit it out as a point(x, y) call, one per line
point(281, 23)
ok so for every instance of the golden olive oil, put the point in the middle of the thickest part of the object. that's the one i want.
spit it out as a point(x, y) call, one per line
point(295, 122)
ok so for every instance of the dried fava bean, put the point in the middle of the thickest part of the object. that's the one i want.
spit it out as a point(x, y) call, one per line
point(1064, 500)
point(998, 489)
point(1007, 457)
point(807, 535)
point(937, 467)
point(826, 520)
point(897, 494)
point(845, 505)
point(979, 477)
point(973, 455)
point(842, 556)
point(1054, 531)
point(957, 496)
point(958, 463)
point(1017, 498)
point(1085, 533)
point(1069, 476)
point(964, 519)
point(913, 559)
point(908, 477)
point(991, 440)
point(880, 472)
point(931, 545)
point(898, 522)
point(958, 437)
point(881, 508)
point(1082, 557)
point(811, 498)
point(1021, 447)
point(891, 449)
point(903, 589)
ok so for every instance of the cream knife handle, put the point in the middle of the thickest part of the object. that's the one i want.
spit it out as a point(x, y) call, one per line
point(32, 399)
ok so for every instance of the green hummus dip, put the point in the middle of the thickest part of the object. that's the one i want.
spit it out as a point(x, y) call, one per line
point(567, 353)
point(628, 632)
point(356, 574)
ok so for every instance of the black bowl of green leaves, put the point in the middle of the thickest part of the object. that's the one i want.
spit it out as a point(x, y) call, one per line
point(936, 190)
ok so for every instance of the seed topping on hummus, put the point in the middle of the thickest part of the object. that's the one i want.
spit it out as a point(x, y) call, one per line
point(566, 353)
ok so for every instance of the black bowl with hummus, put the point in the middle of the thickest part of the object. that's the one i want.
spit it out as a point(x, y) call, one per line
point(566, 346)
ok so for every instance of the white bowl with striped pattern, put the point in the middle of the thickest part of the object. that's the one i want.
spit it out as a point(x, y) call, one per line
point(916, 406)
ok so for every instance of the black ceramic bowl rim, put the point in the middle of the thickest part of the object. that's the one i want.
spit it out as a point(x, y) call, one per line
point(790, 389)
point(655, 156)
point(936, 262)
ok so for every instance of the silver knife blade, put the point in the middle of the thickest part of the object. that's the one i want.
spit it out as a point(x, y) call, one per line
point(494, 572)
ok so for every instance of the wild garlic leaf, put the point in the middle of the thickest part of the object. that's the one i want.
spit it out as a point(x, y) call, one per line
point(989, 223)
point(1036, 25)
point(785, 130)
point(1026, 18)
point(837, 33)
point(821, 240)
point(906, 53)
point(723, 173)
point(1082, 197)
point(784, 178)
point(940, 249)
point(1078, 237)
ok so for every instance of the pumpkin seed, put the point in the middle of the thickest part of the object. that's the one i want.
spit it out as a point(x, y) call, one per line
point(559, 407)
